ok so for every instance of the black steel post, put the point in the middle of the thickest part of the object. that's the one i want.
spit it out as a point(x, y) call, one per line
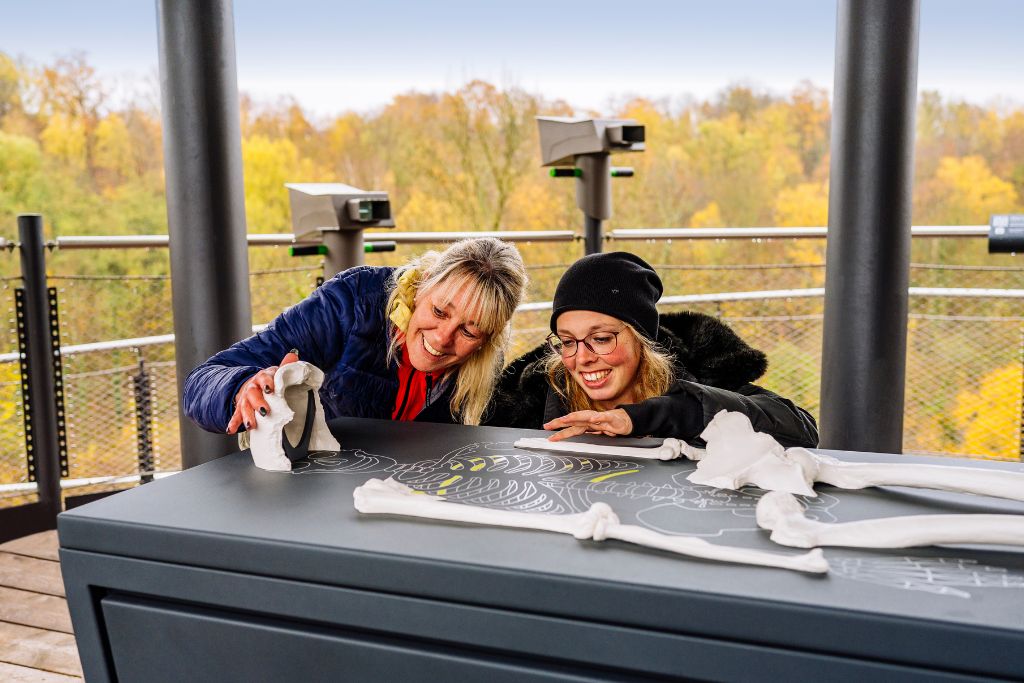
point(344, 250)
point(868, 252)
point(205, 202)
point(593, 235)
point(143, 421)
point(42, 439)
point(594, 197)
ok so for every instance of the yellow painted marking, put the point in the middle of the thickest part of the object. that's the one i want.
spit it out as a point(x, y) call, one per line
point(456, 466)
point(613, 474)
point(568, 466)
point(480, 464)
point(449, 482)
point(585, 462)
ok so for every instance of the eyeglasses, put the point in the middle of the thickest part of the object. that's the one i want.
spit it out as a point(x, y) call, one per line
point(600, 343)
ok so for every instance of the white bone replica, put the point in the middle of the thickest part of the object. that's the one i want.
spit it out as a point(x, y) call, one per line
point(597, 523)
point(783, 515)
point(736, 455)
point(295, 424)
point(669, 450)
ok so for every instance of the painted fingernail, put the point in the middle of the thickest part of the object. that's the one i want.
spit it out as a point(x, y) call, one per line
point(295, 351)
point(267, 389)
point(247, 425)
point(228, 430)
point(263, 412)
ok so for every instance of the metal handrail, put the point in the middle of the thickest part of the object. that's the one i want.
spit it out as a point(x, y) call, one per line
point(288, 239)
point(622, 234)
point(23, 488)
point(778, 233)
point(808, 293)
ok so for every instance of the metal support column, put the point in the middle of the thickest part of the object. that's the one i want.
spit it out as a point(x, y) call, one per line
point(868, 252)
point(344, 250)
point(594, 197)
point(205, 200)
point(43, 441)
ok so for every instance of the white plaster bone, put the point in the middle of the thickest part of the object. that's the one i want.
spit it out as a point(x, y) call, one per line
point(858, 475)
point(783, 515)
point(736, 455)
point(669, 450)
point(597, 523)
point(287, 417)
point(390, 497)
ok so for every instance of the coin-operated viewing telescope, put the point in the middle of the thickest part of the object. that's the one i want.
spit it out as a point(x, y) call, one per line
point(1006, 234)
point(581, 148)
point(337, 214)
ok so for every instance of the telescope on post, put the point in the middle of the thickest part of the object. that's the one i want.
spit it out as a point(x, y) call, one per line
point(580, 148)
point(338, 214)
point(1006, 234)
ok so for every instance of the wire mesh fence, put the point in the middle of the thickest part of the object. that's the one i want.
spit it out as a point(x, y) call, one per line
point(13, 460)
point(964, 355)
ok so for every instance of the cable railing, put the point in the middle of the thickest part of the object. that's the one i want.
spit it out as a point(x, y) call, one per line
point(964, 343)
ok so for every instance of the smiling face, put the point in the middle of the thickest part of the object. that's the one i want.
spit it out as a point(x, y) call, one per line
point(608, 380)
point(443, 330)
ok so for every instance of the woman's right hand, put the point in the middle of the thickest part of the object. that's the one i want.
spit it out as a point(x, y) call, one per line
point(250, 398)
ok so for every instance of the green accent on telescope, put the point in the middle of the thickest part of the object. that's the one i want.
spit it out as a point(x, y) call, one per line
point(308, 250)
point(566, 173)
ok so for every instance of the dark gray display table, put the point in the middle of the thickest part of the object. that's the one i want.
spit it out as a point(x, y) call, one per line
point(226, 572)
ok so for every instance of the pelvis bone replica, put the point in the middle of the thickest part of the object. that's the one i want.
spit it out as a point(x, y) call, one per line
point(295, 424)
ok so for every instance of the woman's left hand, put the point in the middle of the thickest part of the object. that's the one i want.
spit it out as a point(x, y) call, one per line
point(609, 422)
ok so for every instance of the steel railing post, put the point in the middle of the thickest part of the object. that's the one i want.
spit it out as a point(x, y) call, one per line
point(41, 355)
point(144, 421)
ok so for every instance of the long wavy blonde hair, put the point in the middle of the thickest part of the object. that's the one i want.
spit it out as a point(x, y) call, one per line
point(654, 374)
point(497, 279)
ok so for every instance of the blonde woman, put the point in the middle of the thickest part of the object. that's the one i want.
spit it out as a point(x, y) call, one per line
point(422, 342)
point(612, 365)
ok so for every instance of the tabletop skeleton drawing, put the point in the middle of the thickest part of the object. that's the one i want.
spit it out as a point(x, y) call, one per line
point(498, 476)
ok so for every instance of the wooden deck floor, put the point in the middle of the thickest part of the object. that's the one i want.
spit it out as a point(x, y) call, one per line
point(36, 641)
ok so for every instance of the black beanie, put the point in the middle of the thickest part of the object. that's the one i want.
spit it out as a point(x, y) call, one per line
point(618, 284)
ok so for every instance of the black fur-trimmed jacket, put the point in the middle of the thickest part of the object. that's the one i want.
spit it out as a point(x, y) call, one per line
point(714, 371)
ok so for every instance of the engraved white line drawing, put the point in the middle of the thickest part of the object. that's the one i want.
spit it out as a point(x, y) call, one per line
point(783, 515)
point(346, 461)
point(670, 449)
point(295, 424)
point(736, 455)
point(572, 490)
point(663, 515)
point(947, 576)
point(597, 523)
point(565, 484)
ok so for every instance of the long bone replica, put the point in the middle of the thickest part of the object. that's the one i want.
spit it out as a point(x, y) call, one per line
point(783, 515)
point(597, 523)
point(295, 424)
point(736, 455)
point(670, 449)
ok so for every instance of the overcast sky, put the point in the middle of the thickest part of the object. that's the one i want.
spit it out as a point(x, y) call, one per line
point(334, 55)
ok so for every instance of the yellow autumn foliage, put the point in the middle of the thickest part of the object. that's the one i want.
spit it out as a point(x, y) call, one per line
point(989, 416)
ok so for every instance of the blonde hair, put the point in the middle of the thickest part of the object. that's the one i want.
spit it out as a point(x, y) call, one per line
point(497, 278)
point(654, 375)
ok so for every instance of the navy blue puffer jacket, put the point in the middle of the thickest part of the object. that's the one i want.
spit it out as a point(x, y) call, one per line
point(341, 328)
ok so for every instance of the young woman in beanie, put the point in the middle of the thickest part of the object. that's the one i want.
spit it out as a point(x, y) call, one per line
point(425, 341)
point(612, 365)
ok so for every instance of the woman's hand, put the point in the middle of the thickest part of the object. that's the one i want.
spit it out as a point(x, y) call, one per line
point(609, 422)
point(249, 399)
